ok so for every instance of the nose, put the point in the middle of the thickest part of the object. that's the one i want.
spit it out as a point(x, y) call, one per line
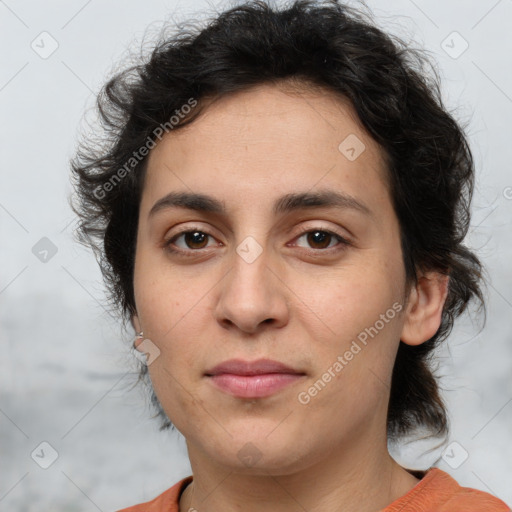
point(252, 296)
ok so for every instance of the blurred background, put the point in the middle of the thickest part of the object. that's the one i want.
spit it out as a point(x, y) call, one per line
point(75, 433)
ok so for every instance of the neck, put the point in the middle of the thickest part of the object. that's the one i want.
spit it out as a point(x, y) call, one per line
point(350, 479)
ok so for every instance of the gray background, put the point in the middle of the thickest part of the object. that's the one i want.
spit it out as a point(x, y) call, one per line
point(66, 370)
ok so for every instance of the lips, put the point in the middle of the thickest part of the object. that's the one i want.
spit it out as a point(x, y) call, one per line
point(259, 367)
point(256, 379)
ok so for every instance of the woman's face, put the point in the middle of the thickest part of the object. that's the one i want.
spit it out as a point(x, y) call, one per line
point(269, 278)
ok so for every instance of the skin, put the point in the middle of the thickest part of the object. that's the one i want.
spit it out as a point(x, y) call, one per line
point(300, 302)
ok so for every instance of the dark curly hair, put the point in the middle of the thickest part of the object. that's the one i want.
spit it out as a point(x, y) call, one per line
point(395, 91)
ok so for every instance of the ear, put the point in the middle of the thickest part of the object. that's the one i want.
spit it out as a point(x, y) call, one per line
point(424, 308)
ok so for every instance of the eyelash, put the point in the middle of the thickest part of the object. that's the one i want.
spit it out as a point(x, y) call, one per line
point(343, 242)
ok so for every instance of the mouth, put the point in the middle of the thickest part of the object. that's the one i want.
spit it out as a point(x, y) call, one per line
point(257, 379)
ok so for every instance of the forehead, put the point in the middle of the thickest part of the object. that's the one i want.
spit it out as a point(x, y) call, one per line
point(269, 138)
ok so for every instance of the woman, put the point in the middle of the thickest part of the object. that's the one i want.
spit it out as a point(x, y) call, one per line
point(279, 213)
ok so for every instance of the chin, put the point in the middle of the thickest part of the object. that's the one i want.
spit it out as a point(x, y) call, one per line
point(262, 452)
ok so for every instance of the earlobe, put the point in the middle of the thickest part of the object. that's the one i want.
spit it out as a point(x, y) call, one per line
point(425, 308)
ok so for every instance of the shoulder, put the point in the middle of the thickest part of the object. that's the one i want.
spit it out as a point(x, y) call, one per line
point(168, 501)
point(467, 498)
point(437, 491)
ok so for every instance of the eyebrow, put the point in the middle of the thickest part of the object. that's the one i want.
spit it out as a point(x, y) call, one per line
point(284, 204)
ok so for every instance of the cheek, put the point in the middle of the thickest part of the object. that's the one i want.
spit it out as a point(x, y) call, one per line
point(163, 295)
point(360, 312)
point(362, 367)
point(184, 408)
point(344, 302)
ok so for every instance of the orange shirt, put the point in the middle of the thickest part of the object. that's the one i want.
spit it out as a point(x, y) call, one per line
point(437, 491)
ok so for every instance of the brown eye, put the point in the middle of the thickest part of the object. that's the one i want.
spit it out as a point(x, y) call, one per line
point(320, 239)
point(192, 239)
point(195, 239)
